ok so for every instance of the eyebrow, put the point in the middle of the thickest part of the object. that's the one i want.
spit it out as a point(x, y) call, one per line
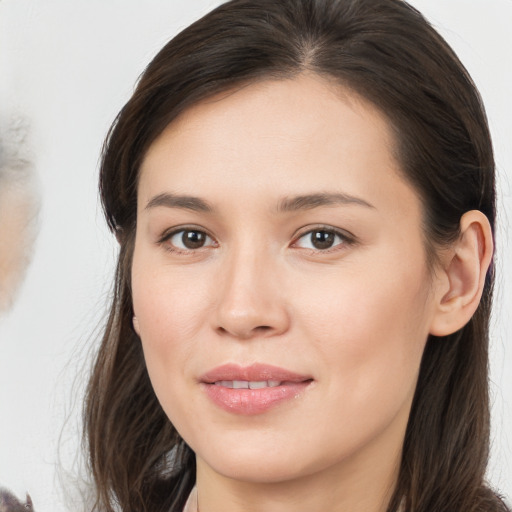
point(310, 201)
point(288, 204)
point(178, 201)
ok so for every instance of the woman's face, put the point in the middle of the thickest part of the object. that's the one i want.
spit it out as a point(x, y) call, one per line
point(280, 282)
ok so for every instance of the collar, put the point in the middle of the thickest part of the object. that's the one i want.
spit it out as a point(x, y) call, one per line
point(191, 504)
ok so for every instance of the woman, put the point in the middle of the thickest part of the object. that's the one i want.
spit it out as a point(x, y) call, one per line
point(303, 193)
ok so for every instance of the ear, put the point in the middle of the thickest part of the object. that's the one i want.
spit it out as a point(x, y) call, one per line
point(463, 273)
point(135, 323)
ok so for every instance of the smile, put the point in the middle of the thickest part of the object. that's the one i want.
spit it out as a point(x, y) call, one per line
point(253, 389)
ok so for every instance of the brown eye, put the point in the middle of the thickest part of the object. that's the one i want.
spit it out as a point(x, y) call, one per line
point(322, 239)
point(193, 239)
point(190, 239)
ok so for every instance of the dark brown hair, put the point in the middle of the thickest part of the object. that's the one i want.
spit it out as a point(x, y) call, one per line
point(385, 51)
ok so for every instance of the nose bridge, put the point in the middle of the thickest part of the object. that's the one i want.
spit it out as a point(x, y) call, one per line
point(250, 300)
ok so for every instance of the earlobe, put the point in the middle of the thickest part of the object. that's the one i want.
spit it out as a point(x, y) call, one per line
point(465, 271)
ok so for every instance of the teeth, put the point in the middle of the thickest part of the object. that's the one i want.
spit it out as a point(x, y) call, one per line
point(244, 384)
point(258, 384)
point(224, 383)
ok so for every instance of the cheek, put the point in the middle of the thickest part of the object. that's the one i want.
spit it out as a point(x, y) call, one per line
point(171, 306)
point(168, 302)
point(369, 342)
point(370, 329)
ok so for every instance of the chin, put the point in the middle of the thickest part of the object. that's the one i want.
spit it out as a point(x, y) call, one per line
point(258, 462)
point(259, 470)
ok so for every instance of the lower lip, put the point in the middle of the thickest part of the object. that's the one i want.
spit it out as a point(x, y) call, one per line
point(253, 401)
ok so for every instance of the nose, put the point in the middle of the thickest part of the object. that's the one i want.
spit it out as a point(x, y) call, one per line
point(251, 301)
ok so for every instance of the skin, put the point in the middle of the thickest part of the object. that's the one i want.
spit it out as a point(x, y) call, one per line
point(355, 317)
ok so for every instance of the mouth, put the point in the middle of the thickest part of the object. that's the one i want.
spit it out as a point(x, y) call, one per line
point(244, 384)
point(252, 389)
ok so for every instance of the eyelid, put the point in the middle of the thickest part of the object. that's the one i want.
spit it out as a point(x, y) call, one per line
point(166, 236)
point(348, 239)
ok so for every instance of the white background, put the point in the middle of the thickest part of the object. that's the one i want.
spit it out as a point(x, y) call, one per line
point(69, 66)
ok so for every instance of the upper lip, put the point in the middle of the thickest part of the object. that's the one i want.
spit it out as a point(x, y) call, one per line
point(254, 373)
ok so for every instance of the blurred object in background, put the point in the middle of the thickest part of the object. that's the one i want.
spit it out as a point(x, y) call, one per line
point(19, 206)
point(9, 503)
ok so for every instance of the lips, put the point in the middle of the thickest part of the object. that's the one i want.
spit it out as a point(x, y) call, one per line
point(252, 389)
point(244, 384)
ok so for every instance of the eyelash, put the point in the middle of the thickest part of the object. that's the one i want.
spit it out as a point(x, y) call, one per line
point(344, 239)
point(169, 235)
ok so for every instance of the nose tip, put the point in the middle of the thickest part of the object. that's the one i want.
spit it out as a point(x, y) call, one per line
point(252, 318)
point(250, 303)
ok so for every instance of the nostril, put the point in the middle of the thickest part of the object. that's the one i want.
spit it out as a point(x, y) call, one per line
point(262, 328)
point(259, 330)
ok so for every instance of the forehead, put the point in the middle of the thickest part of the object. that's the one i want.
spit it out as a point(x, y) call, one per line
point(280, 137)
